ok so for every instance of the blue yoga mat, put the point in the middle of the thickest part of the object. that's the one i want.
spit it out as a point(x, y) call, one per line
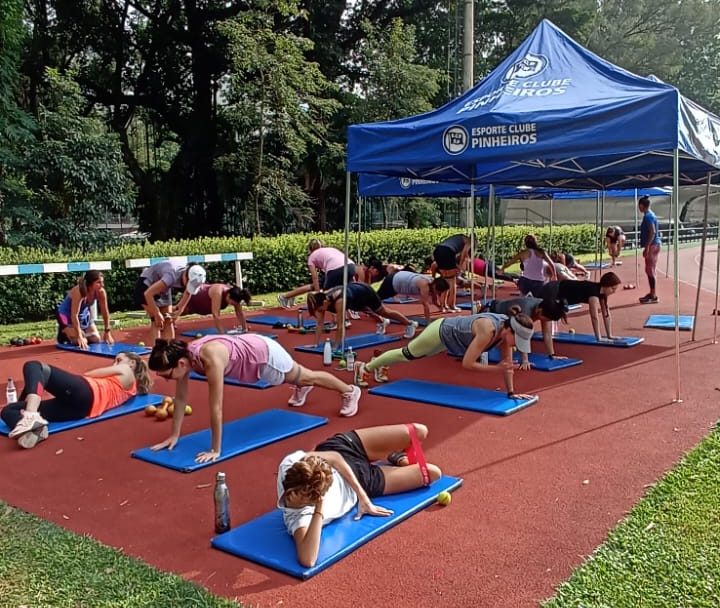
point(571, 307)
point(239, 437)
point(211, 331)
point(589, 339)
point(265, 540)
point(449, 395)
point(107, 350)
point(400, 300)
point(232, 381)
point(596, 265)
point(284, 319)
point(668, 322)
point(539, 361)
point(136, 404)
point(356, 342)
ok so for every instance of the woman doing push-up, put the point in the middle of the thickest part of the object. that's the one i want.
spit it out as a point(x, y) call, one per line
point(317, 487)
point(466, 337)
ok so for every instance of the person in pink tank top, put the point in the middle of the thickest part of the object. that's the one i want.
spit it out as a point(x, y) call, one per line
point(533, 261)
point(246, 358)
point(74, 396)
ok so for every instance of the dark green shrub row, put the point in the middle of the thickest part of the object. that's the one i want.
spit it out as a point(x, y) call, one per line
point(279, 262)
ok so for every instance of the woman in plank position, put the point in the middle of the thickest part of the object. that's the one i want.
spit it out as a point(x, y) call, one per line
point(595, 294)
point(317, 487)
point(76, 396)
point(211, 299)
point(422, 286)
point(360, 298)
point(247, 358)
point(545, 311)
point(74, 314)
point(466, 337)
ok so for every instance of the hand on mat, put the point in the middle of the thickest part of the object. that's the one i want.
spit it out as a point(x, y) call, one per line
point(526, 365)
point(209, 456)
point(108, 339)
point(521, 396)
point(82, 342)
point(370, 509)
point(169, 443)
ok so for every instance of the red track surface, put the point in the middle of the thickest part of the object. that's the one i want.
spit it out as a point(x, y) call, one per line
point(524, 519)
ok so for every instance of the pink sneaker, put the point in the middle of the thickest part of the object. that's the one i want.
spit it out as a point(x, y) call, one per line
point(350, 402)
point(29, 422)
point(299, 396)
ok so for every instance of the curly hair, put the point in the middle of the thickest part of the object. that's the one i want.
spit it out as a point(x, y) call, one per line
point(312, 475)
point(142, 376)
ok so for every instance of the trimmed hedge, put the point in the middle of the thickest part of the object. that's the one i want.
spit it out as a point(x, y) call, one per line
point(279, 262)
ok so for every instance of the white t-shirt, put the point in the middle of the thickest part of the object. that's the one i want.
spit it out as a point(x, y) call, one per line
point(338, 500)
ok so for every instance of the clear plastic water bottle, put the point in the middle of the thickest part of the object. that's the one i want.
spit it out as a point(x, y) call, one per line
point(300, 322)
point(10, 392)
point(484, 359)
point(327, 353)
point(350, 359)
point(222, 504)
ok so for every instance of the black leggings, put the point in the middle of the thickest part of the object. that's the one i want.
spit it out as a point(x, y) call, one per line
point(73, 398)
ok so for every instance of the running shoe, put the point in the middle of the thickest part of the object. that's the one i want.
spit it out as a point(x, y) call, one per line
point(350, 402)
point(299, 395)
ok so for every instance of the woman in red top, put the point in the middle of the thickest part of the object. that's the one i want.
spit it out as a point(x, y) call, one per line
point(76, 396)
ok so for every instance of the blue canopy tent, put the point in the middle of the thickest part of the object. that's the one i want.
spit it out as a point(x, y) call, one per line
point(552, 114)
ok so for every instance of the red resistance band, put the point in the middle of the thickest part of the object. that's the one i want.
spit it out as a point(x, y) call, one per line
point(416, 455)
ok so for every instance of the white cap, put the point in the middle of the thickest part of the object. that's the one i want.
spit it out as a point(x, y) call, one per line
point(522, 335)
point(195, 278)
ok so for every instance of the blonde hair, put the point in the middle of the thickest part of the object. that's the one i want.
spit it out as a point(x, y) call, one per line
point(311, 474)
point(143, 380)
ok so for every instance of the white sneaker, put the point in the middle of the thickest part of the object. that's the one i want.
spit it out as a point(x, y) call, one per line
point(350, 402)
point(32, 438)
point(285, 302)
point(354, 314)
point(299, 395)
point(382, 327)
point(29, 422)
point(410, 330)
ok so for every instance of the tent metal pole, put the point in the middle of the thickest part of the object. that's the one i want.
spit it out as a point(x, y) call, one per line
point(550, 248)
point(487, 248)
point(717, 285)
point(341, 317)
point(702, 253)
point(636, 240)
point(597, 231)
point(492, 241)
point(676, 269)
point(359, 234)
point(471, 221)
point(601, 240)
point(670, 233)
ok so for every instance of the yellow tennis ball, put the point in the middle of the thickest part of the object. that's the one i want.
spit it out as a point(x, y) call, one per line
point(571, 330)
point(342, 364)
point(188, 410)
point(141, 343)
point(444, 498)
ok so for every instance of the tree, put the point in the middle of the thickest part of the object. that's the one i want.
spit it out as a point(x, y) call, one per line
point(73, 171)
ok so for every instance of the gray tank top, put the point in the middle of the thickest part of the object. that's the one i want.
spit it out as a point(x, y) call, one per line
point(405, 282)
point(456, 332)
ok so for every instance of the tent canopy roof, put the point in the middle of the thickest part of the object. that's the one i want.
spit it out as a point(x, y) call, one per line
point(551, 114)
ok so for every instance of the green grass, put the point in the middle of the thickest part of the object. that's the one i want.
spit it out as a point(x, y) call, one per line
point(666, 554)
point(42, 565)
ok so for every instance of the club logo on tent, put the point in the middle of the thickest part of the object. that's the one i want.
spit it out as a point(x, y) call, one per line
point(405, 183)
point(455, 140)
point(528, 66)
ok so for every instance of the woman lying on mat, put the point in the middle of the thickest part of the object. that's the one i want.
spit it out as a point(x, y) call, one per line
point(247, 358)
point(545, 311)
point(74, 314)
point(317, 487)
point(587, 292)
point(360, 298)
point(421, 286)
point(211, 299)
point(76, 396)
point(466, 337)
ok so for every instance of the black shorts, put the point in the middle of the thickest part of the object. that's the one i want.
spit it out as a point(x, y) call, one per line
point(445, 258)
point(334, 278)
point(161, 299)
point(361, 297)
point(349, 446)
point(386, 288)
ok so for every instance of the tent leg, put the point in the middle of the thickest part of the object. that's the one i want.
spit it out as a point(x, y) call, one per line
point(471, 265)
point(341, 317)
point(717, 285)
point(637, 243)
point(702, 253)
point(491, 213)
point(676, 269)
point(670, 233)
point(597, 232)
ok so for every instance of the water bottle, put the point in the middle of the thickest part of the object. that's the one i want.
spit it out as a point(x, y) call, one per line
point(327, 353)
point(222, 504)
point(10, 392)
point(300, 322)
point(350, 359)
point(484, 360)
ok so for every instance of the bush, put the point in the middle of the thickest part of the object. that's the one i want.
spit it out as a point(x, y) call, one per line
point(279, 262)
